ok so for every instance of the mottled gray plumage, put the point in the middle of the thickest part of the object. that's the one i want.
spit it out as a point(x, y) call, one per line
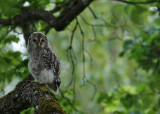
point(43, 65)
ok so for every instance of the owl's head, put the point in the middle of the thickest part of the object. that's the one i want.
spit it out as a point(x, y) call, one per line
point(37, 40)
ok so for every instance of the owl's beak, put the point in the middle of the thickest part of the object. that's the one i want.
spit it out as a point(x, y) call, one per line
point(39, 44)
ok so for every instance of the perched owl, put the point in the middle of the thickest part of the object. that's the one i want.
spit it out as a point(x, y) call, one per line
point(43, 64)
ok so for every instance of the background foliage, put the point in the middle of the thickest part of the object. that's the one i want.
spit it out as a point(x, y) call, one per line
point(111, 65)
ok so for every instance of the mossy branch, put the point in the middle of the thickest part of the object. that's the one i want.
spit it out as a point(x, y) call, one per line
point(30, 94)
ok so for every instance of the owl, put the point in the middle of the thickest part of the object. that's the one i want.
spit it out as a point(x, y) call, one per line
point(43, 64)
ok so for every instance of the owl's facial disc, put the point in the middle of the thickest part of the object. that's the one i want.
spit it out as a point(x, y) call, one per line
point(38, 42)
point(34, 42)
point(42, 42)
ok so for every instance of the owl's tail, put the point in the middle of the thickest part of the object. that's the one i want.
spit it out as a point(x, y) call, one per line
point(56, 84)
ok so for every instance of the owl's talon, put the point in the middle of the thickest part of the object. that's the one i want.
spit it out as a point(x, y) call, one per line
point(38, 82)
point(46, 86)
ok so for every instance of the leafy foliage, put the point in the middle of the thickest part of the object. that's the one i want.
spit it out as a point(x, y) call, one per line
point(11, 61)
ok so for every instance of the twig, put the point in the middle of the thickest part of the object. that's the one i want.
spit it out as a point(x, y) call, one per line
point(142, 2)
point(71, 104)
point(95, 89)
point(90, 9)
point(83, 53)
point(71, 55)
point(90, 24)
point(83, 49)
point(91, 58)
point(94, 32)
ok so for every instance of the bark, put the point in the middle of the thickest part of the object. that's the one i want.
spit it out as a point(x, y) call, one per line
point(30, 94)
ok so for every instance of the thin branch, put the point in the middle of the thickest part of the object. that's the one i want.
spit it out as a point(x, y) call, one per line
point(72, 35)
point(71, 54)
point(95, 89)
point(83, 50)
point(69, 102)
point(92, 84)
point(142, 2)
point(83, 54)
point(72, 57)
point(90, 9)
point(91, 58)
point(94, 32)
point(90, 24)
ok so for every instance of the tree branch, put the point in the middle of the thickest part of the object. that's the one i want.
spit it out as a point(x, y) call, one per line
point(68, 14)
point(30, 94)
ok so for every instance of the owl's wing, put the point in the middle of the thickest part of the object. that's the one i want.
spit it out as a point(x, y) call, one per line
point(52, 63)
point(56, 71)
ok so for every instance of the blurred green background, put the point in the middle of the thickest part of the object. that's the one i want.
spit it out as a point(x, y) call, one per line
point(112, 68)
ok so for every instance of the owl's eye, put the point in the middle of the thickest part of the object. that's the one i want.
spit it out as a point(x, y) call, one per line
point(42, 40)
point(34, 40)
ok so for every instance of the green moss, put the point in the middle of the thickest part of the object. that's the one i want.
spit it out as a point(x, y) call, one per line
point(28, 111)
point(45, 89)
point(48, 105)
